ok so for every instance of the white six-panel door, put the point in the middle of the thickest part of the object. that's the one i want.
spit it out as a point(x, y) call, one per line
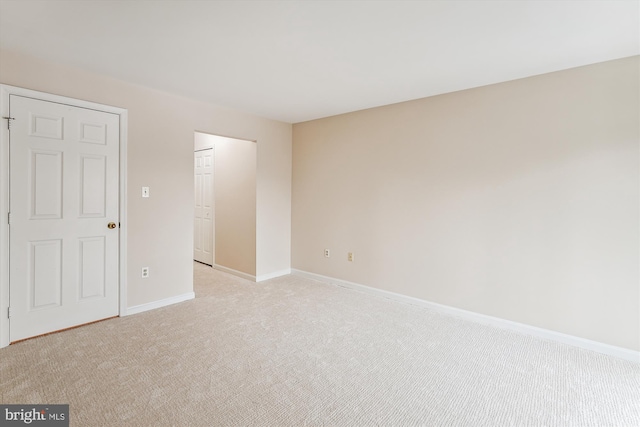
point(204, 221)
point(64, 168)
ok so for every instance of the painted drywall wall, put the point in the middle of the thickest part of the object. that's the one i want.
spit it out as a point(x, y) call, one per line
point(160, 155)
point(202, 141)
point(235, 195)
point(517, 200)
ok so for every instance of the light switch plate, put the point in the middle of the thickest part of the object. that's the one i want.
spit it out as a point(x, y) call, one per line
point(145, 192)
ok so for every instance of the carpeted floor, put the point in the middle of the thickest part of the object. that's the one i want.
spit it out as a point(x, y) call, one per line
point(292, 351)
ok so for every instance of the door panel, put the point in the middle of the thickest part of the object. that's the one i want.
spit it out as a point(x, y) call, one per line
point(92, 263)
point(64, 167)
point(45, 176)
point(45, 273)
point(45, 126)
point(197, 236)
point(93, 186)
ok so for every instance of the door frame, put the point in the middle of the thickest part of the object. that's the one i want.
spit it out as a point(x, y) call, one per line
point(5, 92)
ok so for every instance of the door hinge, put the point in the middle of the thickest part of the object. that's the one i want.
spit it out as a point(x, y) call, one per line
point(8, 312)
point(9, 122)
point(9, 218)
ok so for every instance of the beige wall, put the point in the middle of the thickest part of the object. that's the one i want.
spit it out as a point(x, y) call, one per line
point(517, 200)
point(160, 155)
point(235, 196)
point(273, 193)
point(202, 141)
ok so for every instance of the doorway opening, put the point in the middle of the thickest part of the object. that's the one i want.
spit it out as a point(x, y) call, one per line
point(225, 203)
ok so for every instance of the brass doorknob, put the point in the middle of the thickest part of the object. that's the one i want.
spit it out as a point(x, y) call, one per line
point(111, 225)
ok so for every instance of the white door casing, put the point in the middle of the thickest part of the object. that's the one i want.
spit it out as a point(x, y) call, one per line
point(204, 216)
point(66, 266)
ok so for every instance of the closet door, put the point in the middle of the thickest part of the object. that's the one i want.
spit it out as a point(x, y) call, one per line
point(64, 231)
point(204, 222)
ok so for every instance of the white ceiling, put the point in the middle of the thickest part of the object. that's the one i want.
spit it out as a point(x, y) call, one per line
point(300, 60)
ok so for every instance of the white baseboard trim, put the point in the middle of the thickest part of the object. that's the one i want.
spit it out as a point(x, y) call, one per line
point(619, 352)
point(260, 278)
point(273, 275)
point(235, 272)
point(157, 304)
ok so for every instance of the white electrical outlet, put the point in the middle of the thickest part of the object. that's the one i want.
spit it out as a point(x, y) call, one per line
point(145, 272)
point(326, 253)
point(145, 192)
point(350, 256)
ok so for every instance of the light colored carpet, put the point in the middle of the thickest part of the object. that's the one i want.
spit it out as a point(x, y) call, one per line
point(293, 351)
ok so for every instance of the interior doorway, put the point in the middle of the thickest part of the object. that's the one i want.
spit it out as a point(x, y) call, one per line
point(225, 203)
